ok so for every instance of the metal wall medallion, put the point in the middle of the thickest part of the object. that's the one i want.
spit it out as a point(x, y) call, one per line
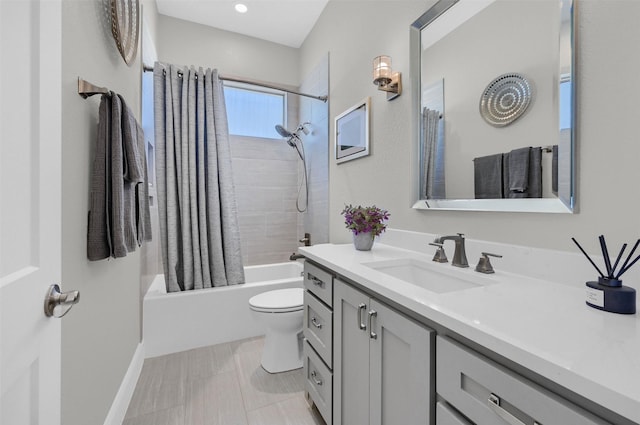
point(125, 15)
point(505, 99)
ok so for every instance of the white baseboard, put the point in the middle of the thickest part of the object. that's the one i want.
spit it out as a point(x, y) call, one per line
point(125, 392)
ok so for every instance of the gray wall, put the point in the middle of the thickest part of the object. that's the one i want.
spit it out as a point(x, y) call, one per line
point(102, 332)
point(184, 43)
point(355, 32)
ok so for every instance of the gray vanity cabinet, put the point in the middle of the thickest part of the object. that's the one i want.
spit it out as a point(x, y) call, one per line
point(382, 363)
point(318, 334)
point(487, 393)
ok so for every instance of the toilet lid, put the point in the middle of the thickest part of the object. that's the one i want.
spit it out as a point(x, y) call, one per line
point(280, 300)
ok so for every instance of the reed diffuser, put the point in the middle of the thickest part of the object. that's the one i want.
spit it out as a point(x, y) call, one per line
point(608, 293)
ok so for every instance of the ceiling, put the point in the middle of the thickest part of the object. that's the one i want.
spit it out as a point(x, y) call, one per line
point(284, 22)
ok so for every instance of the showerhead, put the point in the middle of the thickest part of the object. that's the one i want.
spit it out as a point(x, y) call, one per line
point(283, 131)
point(288, 135)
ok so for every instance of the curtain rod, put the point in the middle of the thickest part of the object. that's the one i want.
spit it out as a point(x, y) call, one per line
point(255, 83)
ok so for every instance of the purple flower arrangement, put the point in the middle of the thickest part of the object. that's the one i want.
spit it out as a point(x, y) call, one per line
point(365, 219)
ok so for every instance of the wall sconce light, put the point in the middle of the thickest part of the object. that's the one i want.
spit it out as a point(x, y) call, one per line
point(385, 78)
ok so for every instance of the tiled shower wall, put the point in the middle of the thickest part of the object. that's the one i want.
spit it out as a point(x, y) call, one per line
point(266, 180)
point(316, 219)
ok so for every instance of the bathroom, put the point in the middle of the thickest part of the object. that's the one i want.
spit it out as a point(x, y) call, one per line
point(101, 336)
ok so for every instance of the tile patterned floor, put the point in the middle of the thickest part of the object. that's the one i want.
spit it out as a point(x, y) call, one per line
point(219, 385)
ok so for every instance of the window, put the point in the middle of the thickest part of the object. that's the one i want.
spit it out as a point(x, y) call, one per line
point(254, 112)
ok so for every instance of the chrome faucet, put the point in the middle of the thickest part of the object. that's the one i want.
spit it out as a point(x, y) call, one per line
point(459, 256)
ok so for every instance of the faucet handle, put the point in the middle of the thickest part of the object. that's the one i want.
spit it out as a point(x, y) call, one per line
point(440, 256)
point(484, 264)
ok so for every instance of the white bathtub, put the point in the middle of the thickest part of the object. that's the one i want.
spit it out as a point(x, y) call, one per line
point(184, 320)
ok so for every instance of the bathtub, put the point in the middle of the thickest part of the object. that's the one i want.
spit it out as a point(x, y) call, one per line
point(179, 321)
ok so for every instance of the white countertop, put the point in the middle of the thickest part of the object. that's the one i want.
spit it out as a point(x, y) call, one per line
point(544, 326)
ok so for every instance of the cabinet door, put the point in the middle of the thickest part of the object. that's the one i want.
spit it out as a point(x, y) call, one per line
point(350, 356)
point(400, 370)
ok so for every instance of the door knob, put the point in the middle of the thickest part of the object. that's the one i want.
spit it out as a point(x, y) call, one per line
point(56, 298)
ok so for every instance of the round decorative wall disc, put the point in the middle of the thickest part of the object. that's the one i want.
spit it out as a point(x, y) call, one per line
point(505, 99)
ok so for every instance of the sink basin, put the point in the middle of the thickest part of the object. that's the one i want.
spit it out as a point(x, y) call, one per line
point(430, 276)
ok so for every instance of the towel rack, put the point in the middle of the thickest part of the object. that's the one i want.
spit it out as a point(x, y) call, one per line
point(86, 89)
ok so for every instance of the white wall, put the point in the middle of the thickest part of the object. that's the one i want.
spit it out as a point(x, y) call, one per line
point(102, 332)
point(608, 149)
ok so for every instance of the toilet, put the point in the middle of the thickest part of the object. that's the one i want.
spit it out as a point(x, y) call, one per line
point(282, 313)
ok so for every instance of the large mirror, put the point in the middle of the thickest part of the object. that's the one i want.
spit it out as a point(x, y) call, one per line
point(494, 105)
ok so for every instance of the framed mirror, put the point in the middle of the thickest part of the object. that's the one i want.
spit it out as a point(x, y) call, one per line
point(494, 106)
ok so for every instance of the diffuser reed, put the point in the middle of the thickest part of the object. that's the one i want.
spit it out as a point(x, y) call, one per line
point(608, 293)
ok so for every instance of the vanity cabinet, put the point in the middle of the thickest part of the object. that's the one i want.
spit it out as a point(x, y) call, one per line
point(382, 362)
point(487, 393)
point(318, 334)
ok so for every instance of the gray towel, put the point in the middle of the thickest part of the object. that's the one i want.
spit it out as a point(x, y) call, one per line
point(505, 175)
point(534, 190)
point(519, 172)
point(98, 229)
point(119, 216)
point(137, 217)
point(488, 176)
point(120, 190)
point(554, 170)
point(523, 171)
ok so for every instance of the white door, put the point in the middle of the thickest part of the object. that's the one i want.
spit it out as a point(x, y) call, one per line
point(30, 162)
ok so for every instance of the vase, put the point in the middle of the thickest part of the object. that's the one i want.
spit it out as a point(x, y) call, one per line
point(363, 241)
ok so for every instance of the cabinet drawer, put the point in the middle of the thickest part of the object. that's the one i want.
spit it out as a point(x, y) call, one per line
point(318, 323)
point(447, 416)
point(484, 391)
point(319, 282)
point(318, 382)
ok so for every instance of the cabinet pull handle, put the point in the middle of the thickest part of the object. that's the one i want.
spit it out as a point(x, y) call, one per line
point(361, 308)
point(316, 380)
point(315, 323)
point(314, 279)
point(372, 334)
point(494, 404)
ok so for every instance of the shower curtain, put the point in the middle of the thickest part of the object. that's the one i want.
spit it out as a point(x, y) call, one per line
point(432, 186)
point(196, 198)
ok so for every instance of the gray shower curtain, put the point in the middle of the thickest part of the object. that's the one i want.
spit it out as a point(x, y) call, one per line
point(432, 186)
point(196, 197)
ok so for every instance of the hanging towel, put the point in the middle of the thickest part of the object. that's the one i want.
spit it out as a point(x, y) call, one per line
point(120, 191)
point(519, 172)
point(505, 175)
point(534, 190)
point(118, 217)
point(488, 176)
point(98, 229)
point(554, 170)
point(137, 222)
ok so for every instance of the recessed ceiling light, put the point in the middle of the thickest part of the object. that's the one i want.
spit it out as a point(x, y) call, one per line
point(241, 8)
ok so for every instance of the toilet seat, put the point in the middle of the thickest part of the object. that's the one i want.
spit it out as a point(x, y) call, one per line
point(278, 301)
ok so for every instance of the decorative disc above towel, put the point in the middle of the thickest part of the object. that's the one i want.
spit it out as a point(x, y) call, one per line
point(125, 15)
point(505, 99)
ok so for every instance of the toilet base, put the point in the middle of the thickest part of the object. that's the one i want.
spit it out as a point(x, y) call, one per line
point(282, 352)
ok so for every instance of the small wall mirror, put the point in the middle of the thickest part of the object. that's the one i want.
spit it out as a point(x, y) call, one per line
point(493, 104)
